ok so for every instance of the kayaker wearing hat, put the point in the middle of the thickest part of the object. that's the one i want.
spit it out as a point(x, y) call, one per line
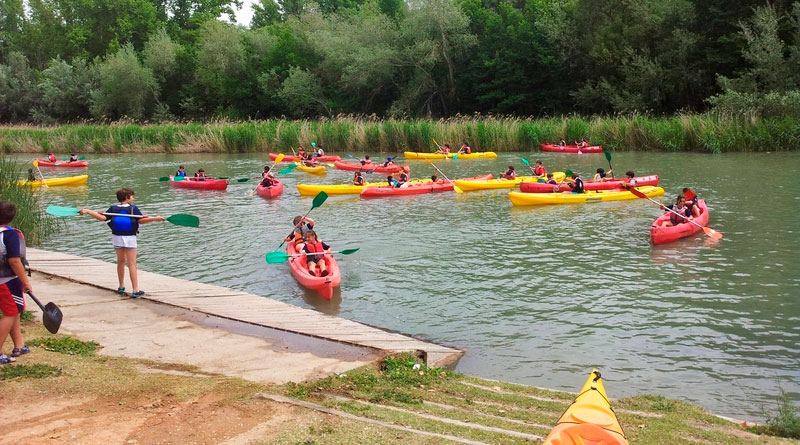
point(388, 162)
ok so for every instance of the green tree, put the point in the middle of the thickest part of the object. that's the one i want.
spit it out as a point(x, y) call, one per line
point(303, 94)
point(125, 87)
point(160, 55)
point(65, 91)
point(18, 91)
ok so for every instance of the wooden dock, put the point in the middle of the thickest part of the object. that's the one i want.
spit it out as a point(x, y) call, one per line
point(241, 306)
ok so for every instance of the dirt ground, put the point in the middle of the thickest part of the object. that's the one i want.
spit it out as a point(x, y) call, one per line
point(189, 401)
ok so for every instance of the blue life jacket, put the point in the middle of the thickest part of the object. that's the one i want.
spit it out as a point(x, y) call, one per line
point(124, 225)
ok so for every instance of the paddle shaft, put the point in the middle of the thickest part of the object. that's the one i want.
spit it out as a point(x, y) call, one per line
point(38, 303)
point(44, 181)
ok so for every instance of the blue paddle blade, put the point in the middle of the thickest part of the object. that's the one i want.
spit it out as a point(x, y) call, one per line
point(62, 211)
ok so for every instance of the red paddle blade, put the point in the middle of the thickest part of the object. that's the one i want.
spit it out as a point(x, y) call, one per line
point(637, 192)
point(712, 233)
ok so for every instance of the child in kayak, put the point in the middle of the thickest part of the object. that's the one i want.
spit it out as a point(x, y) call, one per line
point(551, 180)
point(691, 201)
point(200, 175)
point(388, 162)
point(366, 160)
point(317, 249)
point(181, 172)
point(628, 182)
point(31, 176)
point(267, 179)
point(402, 179)
point(539, 171)
point(73, 157)
point(123, 231)
point(302, 225)
point(435, 179)
point(601, 175)
point(465, 149)
point(51, 157)
point(391, 181)
point(358, 179)
point(685, 213)
point(510, 174)
point(576, 184)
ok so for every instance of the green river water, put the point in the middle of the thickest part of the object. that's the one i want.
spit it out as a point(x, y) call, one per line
point(536, 295)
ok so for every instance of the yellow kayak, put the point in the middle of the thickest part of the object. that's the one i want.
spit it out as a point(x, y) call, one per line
point(341, 189)
point(466, 184)
point(589, 419)
point(57, 182)
point(474, 155)
point(316, 170)
point(528, 199)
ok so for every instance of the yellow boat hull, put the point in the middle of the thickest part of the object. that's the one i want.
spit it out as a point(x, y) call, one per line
point(341, 189)
point(589, 419)
point(528, 199)
point(316, 170)
point(57, 182)
point(477, 155)
point(465, 184)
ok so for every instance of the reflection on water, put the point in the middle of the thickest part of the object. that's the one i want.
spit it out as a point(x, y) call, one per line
point(535, 295)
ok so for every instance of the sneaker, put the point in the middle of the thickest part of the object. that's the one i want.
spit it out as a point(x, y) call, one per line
point(324, 274)
point(121, 290)
point(20, 351)
point(137, 294)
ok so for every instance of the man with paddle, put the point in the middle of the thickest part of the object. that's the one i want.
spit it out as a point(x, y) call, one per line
point(124, 229)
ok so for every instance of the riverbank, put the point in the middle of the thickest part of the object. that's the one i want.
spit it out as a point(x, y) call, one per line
point(681, 133)
point(163, 374)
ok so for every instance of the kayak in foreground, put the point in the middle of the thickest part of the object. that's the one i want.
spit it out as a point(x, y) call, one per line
point(571, 148)
point(290, 158)
point(66, 164)
point(323, 285)
point(589, 419)
point(195, 184)
point(477, 184)
point(412, 188)
point(474, 155)
point(342, 189)
point(273, 191)
point(526, 199)
point(56, 182)
point(543, 187)
point(314, 170)
point(357, 167)
point(663, 235)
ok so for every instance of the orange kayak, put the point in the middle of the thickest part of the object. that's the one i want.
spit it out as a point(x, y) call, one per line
point(589, 420)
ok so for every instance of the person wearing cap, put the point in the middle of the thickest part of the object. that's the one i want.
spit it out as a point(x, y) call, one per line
point(388, 162)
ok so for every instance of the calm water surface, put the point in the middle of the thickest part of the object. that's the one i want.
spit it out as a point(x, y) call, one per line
point(536, 295)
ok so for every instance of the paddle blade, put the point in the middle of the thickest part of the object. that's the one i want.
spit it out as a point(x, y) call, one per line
point(288, 169)
point(62, 211)
point(276, 257)
point(182, 219)
point(568, 173)
point(242, 179)
point(82, 158)
point(35, 163)
point(319, 199)
point(608, 155)
point(712, 233)
point(279, 158)
point(457, 190)
point(525, 161)
point(637, 192)
point(349, 251)
point(51, 315)
point(178, 178)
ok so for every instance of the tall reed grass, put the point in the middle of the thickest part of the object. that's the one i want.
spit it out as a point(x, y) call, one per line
point(31, 218)
point(698, 133)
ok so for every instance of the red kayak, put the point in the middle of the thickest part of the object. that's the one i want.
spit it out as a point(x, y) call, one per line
point(543, 187)
point(571, 148)
point(415, 188)
point(192, 183)
point(663, 235)
point(67, 164)
point(270, 192)
point(323, 285)
point(290, 158)
point(377, 168)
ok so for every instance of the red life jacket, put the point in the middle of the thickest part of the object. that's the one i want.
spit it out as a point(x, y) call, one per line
point(358, 180)
point(51, 158)
point(539, 170)
point(315, 248)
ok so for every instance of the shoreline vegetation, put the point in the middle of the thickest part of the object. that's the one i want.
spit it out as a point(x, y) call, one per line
point(704, 133)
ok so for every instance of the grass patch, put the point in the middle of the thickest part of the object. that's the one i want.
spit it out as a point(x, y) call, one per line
point(26, 316)
point(34, 371)
point(66, 345)
point(784, 423)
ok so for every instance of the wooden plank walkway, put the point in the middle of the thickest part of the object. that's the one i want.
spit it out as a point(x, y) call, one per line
point(248, 308)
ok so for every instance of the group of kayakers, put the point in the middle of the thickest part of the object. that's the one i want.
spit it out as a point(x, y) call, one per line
point(684, 209)
point(200, 174)
point(446, 150)
point(309, 158)
point(305, 240)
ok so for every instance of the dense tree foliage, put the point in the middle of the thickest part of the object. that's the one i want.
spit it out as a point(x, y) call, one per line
point(66, 60)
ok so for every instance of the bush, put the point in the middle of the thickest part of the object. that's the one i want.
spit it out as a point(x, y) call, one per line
point(785, 423)
point(31, 218)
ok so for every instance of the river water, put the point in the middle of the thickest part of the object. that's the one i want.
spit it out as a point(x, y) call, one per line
point(536, 295)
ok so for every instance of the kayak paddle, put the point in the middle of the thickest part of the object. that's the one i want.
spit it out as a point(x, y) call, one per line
point(318, 200)
point(174, 178)
point(608, 158)
point(278, 159)
point(51, 314)
point(281, 257)
point(288, 169)
point(36, 164)
point(180, 219)
point(707, 230)
point(455, 187)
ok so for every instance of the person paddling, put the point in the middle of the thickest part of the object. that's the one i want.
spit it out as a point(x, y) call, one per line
point(302, 225)
point(539, 171)
point(576, 184)
point(181, 172)
point(317, 249)
point(388, 162)
point(510, 174)
point(685, 213)
point(267, 178)
point(465, 149)
point(601, 175)
point(200, 175)
point(73, 157)
point(358, 179)
point(51, 157)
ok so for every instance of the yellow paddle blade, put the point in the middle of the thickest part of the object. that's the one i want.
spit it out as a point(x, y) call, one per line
point(35, 163)
point(279, 158)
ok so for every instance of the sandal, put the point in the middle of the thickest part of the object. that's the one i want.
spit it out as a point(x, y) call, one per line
point(4, 359)
point(137, 294)
point(20, 351)
point(121, 290)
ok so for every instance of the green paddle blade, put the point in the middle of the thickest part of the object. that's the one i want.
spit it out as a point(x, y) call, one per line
point(319, 199)
point(242, 179)
point(62, 211)
point(221, 177)
point(178, 178)
point(288, 169)
point(164, 178)
point(608, 155)
point(455, 156)
point(349, 251)
point(568, 173)
point(276, 257)
point(525, 161)
point(182, 219)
